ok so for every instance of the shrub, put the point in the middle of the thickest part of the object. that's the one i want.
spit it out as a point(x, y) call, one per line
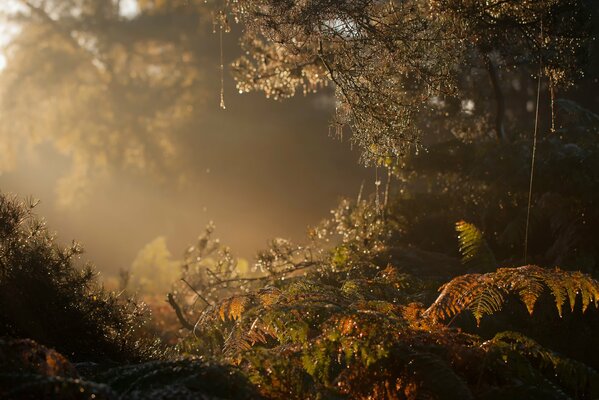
point(46, 297)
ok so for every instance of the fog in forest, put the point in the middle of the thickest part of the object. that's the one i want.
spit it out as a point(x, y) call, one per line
point(259, 169)
point(316, 199)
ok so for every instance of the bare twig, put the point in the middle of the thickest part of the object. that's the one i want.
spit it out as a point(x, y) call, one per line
point(180, 316)
point(296, 267)
point(196, 292)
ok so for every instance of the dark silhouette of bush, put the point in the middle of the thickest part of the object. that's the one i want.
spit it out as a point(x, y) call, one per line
point(29, 370)
point(46, 297)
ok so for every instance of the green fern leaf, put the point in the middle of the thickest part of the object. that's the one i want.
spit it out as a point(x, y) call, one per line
point(487, 301)
point(476, 254)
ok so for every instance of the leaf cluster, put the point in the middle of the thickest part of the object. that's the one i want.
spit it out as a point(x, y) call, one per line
point(401, 68)
point(355, 326)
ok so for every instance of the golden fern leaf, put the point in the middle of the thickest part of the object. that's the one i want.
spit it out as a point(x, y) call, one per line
point(588, 291)
point(269, 295)
point(346, 325)
point(572, 287)
point(258, 332)
point(456, 295)
point(526, 282)
point(237, 306)
point(557, 285)
point(233, 307)
point(475, 251)
point(236, 342)
point(223, 310)
point(484, 294)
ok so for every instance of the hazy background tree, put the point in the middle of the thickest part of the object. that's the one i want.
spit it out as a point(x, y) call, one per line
point(100, 105)
point(109, 92)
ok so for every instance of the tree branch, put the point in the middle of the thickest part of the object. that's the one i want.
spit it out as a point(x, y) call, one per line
point(102, 68)
point(180, 316)
point(196, 292)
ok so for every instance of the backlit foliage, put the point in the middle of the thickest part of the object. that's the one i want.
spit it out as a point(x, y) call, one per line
point(485, 294)
point(153, 270)
point(474, 249)
point(106, 92)
point(354, 325)
point(355, 312)
point(116, 93)
point(398, 65)
point(46, 296)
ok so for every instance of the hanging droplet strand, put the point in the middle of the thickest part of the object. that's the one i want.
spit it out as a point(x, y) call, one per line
point(222, 70)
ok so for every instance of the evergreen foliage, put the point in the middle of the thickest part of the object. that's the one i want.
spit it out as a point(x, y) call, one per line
point(45, 296)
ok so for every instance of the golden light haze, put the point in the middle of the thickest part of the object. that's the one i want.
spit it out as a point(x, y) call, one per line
point(121, 137)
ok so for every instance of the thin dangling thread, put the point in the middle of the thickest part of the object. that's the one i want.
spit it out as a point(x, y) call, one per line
point(552, 91)
point(534, 151)
point(222, 70)
point(377, 183)
point(387, 187)
point(360, 193)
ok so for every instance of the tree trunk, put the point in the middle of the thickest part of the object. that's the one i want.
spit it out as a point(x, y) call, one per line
point(499, 99)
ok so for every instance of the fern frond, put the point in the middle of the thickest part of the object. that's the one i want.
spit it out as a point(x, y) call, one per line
point(454, 296)
point(236, 342)
point(467, 292)
point(259, 332)
point(485, 293)
point(557, 284)
point(476, 254)
point(233, 307)
point(571, 374)
point(588, 290)
point(237, 306)
point(526, 283)
point(486, 301)
point(269, 295)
